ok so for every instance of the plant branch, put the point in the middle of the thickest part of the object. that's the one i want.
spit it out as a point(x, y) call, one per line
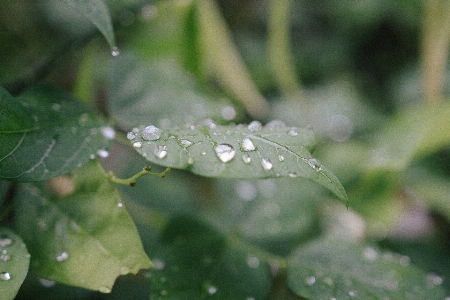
point(147, 170)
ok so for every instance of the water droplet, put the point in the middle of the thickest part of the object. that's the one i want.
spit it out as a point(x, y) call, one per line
point(108, 132)
point(275, 124)
point(404, 261)
point(254, 126)
point(151, 133)
point(186, 143)
point(310, 280)
point(92, 156)
point(158, 264)
point(190, 160)
point(115, 51)
point(352, 294)
point(247, 145)
point(246, 190)
point(313, 163)
point(137, 144)
point(120, 205)
point(83, 119)
point(225, 152)
point(131, 135)
point(5, 257)
point(266, 164)
point(253, 262)
point(160, 151)
point(434, 279)
point(47, 283)
point(56, 106)
point(102, 153)
point(370, 254)
point(228, 113)
point(104, 289)
point(208, 123)
point(328, 281)
point(5, 241)
point(280, 157)
point(63, 256)
point(292, 174)
point(5, 276)
point(246, 158)
point(212, 290)
point(293, 132)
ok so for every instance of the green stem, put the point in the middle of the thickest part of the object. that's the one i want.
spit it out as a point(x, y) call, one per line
point(147, 170)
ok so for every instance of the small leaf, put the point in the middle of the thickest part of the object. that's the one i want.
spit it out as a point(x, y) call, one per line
point(245, 152)
point(45, 133)
point(328, 269)
point(83, 237)
point(14, 262)
point(97, 12)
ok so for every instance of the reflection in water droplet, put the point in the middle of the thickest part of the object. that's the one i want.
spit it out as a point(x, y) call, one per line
point(292, 174)
point(5, 276)
point(313, 163)
point(102, 153)
point(280, 157)
point(310, 280)
point(47, 283)
point(275, 124)
point(228, 113)
point(186, 143)
point(160, 151)
point(115, 51)
point(151, 133)
point(137, 145)
point(254, 126)
point(253, 262)
point(5, 241)
point(370, 254)
point(266, 163)
point(246, 158)
point(63, 256)
point(225, 152)
point(247, 145)
point(108, 132)
point(212, 290)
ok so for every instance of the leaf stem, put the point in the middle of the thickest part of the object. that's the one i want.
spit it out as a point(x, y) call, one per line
point(147, 170)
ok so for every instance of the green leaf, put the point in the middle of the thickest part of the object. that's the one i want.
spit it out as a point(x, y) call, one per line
point(237, 151)
point(194, 262)
point(98, 14)
point(14, 262)
point(328, 269)
point(83, 237)
point(160, 91)
point(46, 133)
point(415, 132)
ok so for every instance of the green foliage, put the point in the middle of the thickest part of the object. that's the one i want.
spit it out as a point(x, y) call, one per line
point(237, 209)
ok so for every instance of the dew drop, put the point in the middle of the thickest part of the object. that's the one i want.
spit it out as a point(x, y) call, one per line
point(104, 289)
point(47, 283)
point(292, 174)
point(253, 262)
point(137, 144)
point(212, 290)
point(225, 152)
point(158, 264)
point(250, 298)
point(5, 276)
point(5, 241)
point(186, 143)
point(246, 190)
point(131, 135)
point(254, 126)
point(310, 280)
point(63, 256)
point(203, 153)
point(120, 205)
point(434, 279)
point(5, 257)
point(102, 153)
point(280, 157)
point(275, 124)
point(115, 51)
point(266, 164)
point(370, 254)
point(160, 151)
point(228, 113)
point(151, 133)
point(190, 160)
point(92, 156)
point(313, 163)
point(404, 261)
point(352, 294)
point(247, 145)
point(328, 281)
point(293, 132)
point(246, 158)
point(108, 132)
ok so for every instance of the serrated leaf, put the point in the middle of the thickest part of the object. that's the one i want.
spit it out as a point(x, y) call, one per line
point(339, 269)
point(98, 14)
point(194, 262)
point(86, 238)
point(14, 262)
point(237, 152)
point(160, 91)
point(46, 133)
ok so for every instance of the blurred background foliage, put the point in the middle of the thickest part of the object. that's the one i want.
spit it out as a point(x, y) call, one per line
point(368, 76)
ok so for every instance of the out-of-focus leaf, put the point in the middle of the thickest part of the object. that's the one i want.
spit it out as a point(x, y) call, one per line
point(96, 12)
point(245, 152)
point(344, 270)
point(414, 132)
point(194, 262)
point(46, 133)
point(85, 238)
point(14, 262)
point(161, 92)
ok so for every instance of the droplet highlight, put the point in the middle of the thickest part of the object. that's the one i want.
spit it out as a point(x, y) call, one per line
point(102, 153)
point(160, 151)
point(254, 126)
point(313, 163)
point(131, 135)
point(5, 276)
point(151, 133)
point(212, 290)
point(63, 256)
point(247, 145)
point(115, 51)
point(108, 132)
point(185, 143)
point(225, 152)
point(137, 145)
point(310, 280)
point(246, 158)
point(293, 132)
point(266, 164)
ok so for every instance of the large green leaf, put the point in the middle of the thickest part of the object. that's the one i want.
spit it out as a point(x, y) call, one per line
point(14, 262)
point(85, 238)
point(97, 13)
point(337, 269)
point(46, 133)
point(238, 151)
point(194, 262)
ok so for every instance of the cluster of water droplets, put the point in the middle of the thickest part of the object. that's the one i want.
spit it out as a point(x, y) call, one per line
point(5, 256)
